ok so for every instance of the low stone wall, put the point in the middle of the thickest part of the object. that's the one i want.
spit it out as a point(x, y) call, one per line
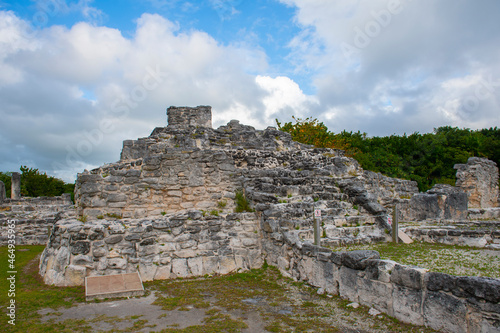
point(39, 204)
point(475, 234)
point(33, 218)
point(410, 294)
point(181, 245)
point(28, 232)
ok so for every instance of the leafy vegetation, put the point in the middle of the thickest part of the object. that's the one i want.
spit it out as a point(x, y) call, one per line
point(37, 184)
point(242, 203)
point(427, 158)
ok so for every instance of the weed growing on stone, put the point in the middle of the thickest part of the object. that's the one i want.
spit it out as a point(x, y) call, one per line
point(242, 203)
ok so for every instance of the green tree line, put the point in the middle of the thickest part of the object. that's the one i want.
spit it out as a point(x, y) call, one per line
point(37, 184)
point(427, 158)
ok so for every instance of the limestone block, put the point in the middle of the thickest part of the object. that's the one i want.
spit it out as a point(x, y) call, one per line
point(407, 304)
point(61, 259)
point(375, 294)
point(255, 259)
point(83, 260)
point(189, 253)
point(210, 265)
point(380, 270)
point(195, 266)
point(180, 268)
point(147, 271)
point(75, 275)
point(117, 263)
point(445, 313)
point(99, 252)
point(226, 265)
point(411, 277)
point(358, 259)
point(113, 239)
point(305, 268)
point(348, 285)
point(163, 272)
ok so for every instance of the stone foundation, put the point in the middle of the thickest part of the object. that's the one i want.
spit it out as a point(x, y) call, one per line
point(180, 245)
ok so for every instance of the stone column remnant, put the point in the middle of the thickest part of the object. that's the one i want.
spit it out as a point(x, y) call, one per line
point(184, 116)
point(2, 192)
point(479, 179)
point(16, 186)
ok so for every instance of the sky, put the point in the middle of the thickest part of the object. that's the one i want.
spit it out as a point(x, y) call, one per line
point(77, 77)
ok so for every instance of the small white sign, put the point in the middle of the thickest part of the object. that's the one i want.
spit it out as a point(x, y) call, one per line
point(389, 219)
point(317, 213)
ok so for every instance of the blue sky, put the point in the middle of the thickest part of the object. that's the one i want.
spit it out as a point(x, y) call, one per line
point(79, 77)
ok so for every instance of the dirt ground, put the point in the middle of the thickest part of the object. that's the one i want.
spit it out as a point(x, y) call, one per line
point(251, 302)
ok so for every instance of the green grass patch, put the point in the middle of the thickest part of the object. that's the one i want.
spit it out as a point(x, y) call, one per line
point(449, 259)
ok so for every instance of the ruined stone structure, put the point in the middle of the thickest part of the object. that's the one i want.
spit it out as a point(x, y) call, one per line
point(479, 179)
point(34, 217)
point(15, 193)
point(2, 192)
point(167, 209)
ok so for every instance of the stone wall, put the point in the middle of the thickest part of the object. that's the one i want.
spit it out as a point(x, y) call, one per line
point(410, 294)
point(479, 179)
point(475, 234)
point(186, 116)
point(442, 202)
point(34, 217)
point(178, 245)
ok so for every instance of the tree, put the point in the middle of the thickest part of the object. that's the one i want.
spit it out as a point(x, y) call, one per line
point(36, 184)
point(425, 158)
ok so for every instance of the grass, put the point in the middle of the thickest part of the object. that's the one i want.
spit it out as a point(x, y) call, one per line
point(227, 302)
point(449, 259)
point(32, 294)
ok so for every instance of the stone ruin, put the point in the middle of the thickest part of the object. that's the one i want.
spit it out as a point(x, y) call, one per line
point(169, 208)
point(479, 179)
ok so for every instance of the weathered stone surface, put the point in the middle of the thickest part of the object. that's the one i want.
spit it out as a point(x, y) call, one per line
point(479, 287)
point(479, 178)
point(82, 260)
point(407, 304)
point(80, 247)
point(445, 313)
point(2, 192)
point(358, 259)
point(74, 275)
point(411, 277)
point(113, 239)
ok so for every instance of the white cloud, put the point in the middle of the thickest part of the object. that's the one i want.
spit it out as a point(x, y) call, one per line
point(377, 61)
point(72, 84)
point(284, 98)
